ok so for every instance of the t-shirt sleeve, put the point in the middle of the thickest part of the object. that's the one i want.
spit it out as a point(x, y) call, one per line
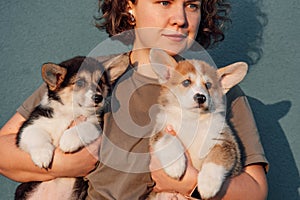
point(241, 119)
point(32, 101)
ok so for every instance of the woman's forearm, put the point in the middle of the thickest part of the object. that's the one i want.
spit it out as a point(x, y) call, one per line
point(17, 165)
point(251, 184)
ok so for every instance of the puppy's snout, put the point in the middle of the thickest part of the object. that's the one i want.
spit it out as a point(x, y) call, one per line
point(97, 98)
point(199, 98)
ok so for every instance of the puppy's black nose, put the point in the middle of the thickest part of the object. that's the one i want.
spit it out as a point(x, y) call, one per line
point(97, 98)
point(199, 98)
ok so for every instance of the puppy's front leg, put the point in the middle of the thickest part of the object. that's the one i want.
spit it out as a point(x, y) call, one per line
point(223, 160)
point(210, 179)
point(170, 153)
point(38, 143)
point(78, 136)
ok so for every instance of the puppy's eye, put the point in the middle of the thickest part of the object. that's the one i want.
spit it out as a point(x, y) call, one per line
point(80, 83)
point(208, 85)
point(186, 83)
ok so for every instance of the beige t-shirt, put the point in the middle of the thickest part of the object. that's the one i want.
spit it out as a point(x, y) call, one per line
point(123, 172)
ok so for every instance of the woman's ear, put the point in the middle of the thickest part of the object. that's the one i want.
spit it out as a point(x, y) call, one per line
point(231, 75)
point(130, 8)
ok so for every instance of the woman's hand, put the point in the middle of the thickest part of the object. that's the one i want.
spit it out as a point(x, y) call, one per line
point(253, 178)
point(76, 164)
point(185, 186)
point(172, 196)
point(79, 163)
point(18, 166)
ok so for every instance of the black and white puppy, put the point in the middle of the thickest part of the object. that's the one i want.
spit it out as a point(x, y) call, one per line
point(76, 87)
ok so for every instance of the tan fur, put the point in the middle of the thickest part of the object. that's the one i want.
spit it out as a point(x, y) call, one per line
point(229, 149)
point(200, 124)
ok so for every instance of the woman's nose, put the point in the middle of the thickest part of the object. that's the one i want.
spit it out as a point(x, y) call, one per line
point(178, 16)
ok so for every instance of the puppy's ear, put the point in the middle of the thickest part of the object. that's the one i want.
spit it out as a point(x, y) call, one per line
point(231, 75)
point(53, 75)
point(161, 63)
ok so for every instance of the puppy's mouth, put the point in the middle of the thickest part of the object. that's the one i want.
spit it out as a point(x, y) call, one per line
point(90, 106)
point(200, 108)
point(95, 101)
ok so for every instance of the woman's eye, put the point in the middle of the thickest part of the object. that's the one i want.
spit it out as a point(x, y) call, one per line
point(80, 83)
point(164, 3)
point(208, 85)
point(194, 6)
point(186, 83)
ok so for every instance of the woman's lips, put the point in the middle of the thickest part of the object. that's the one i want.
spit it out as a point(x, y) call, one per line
point(175, 37)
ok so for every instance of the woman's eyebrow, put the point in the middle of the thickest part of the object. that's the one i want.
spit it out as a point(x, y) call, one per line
point(194, 1)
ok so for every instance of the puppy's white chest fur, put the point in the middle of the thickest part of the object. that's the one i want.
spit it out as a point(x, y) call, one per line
point(198, 134)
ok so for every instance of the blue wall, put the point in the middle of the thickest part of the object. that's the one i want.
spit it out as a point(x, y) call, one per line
point(265, 33)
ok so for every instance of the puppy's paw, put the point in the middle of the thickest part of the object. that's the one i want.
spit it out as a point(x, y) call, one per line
point(70, 141)
point(166, 195)
point(42, 156)
point(210, 179)
point(88, 132)
point(170, 153)
point(177, 169)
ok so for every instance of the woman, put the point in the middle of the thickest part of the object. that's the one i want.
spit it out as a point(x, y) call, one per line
point(174, 25)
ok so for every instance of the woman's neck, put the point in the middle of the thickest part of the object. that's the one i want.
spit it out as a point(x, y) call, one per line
point(140, 60)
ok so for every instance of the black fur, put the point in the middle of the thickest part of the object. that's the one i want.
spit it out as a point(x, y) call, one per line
point(73, 66)
point(39, 111)
point(23, 190)
point(80, 189)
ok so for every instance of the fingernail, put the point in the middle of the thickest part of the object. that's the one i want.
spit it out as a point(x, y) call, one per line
point(169, 128)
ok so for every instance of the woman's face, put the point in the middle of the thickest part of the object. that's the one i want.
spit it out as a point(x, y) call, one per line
point(171, 25)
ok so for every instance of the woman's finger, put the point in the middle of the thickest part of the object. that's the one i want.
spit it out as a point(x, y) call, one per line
point(78, 120)
point(169, 129)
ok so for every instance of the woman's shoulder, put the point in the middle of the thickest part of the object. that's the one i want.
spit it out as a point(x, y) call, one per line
point(120, 59)
point(233, 94)
point(115, 64)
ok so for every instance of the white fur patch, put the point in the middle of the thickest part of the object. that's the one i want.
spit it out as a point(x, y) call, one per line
point(42, 156)
point(170, 152)
point(38, 143)
point(78, 136)
point(63, 188)
point(210, 179)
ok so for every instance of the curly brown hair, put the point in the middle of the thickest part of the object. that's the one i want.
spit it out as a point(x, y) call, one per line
point(115, 19)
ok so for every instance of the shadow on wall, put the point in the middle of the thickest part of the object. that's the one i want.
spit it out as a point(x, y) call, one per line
point(243, 40)
point(283, 176)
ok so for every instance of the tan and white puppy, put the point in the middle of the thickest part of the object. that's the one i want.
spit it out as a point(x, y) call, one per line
point(192, 101)
point(76, 87)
